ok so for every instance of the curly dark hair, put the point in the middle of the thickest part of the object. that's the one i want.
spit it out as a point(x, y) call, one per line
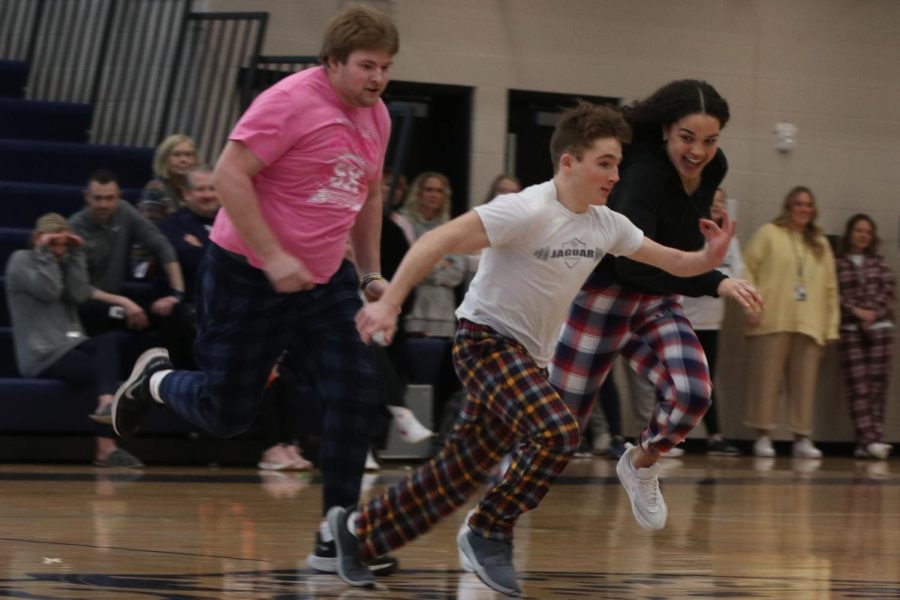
point(672, 102)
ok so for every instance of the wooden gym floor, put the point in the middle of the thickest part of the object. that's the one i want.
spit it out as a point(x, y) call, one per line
point(738, 528)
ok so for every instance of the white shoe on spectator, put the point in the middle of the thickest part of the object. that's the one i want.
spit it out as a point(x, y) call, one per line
point(298, 461)
point(408, 426)
point(674, 452)
point(879, 450)
point(804, 448)
point(275, 458)
point(762, 447)
point(371, 463)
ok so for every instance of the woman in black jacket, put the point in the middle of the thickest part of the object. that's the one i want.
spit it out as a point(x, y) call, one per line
point(669, 175)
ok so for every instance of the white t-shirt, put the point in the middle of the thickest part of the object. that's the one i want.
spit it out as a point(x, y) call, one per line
point(540, 255)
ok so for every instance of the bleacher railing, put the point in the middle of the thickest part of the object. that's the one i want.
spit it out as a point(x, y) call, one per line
point(149, 67)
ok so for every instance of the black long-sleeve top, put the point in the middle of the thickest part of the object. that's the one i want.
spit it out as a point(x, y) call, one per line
point(651, 194)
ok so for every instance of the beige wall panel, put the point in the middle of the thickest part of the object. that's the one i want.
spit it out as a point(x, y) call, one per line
point(832, 67)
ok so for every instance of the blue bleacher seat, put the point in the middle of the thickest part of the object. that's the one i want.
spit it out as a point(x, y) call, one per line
point(13, 78)
point(21, 203)
point(41, 120)
point(30, 161)
point(10, 241)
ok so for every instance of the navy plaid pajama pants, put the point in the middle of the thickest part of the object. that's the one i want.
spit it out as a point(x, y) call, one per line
point(244, 325)
point(866, 362)
point(652, 332)
point(508, 398)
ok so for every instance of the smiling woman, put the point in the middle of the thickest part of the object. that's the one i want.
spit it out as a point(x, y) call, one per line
point(669, 175)
point(790, 261)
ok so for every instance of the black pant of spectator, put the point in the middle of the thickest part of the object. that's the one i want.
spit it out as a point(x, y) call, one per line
point(174, 331)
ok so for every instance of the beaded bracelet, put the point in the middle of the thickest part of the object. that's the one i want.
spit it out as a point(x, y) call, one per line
point(369, 278)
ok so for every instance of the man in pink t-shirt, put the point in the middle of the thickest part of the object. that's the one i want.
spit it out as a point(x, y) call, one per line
point(298, 179)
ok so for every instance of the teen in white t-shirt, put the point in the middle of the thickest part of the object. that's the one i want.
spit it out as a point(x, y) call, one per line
point(539, 247)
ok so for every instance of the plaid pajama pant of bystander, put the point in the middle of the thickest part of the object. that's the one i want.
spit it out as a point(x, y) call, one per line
point(866, 359)
point(244, 325)
point(652, 332)
point(508, 397)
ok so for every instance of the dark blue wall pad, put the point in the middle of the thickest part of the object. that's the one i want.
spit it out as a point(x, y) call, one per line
point(41, 120)
point(67, 163)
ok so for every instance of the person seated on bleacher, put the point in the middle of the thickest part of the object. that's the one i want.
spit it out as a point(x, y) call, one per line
point(44, 286)
point(110, 227)
point(164, 194)
point(187, 229)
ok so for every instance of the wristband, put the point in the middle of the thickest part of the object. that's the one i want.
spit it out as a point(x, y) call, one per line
point(177, 295)
point(369, 278)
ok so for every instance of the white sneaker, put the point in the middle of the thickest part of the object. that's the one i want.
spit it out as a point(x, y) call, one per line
point(408, 426)
point(762, 447)
point(371, 463)
point(879, 450)
point(642, 485)
point(803, 448)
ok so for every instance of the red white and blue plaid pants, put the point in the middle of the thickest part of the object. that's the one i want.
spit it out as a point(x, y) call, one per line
point(652, 332)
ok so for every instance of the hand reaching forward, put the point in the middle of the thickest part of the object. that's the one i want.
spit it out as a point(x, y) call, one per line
point(745, 294)
point(287, 274)
point(376, 317)
point(717, 238)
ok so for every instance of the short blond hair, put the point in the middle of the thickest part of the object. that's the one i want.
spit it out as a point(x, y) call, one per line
point(358, 27)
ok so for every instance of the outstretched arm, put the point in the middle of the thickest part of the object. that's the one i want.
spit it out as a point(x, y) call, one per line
point(689, 264)
point(463, 235)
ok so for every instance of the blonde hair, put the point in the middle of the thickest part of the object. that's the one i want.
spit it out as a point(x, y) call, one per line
point(161, 156)
point(812, 233)
point(412, 206)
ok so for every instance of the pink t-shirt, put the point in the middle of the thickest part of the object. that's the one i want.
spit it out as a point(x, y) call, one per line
point(320, 157)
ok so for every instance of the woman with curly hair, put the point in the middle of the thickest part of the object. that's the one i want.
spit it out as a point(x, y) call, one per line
point(669, 175)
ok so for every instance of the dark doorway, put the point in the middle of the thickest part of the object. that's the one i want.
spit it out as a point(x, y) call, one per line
point(440, 134)
point(532, 116)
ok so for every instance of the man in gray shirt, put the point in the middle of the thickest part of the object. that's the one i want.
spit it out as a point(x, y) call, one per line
point(110, 228)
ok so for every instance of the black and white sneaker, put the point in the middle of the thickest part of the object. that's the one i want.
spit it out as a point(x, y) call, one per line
point(324, 560)
point(133, 401)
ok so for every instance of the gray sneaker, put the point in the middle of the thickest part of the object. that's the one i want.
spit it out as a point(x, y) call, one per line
point(349, 567)
point(642, 485)
point(491, 560)
point(464, 563)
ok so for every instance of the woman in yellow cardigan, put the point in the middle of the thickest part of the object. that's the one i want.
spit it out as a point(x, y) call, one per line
point(790, 262)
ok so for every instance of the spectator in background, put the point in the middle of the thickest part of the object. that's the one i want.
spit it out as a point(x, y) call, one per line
point(187, 229)
point(109, 228)
point(280, 417)
point(44, 286)
point(790, 263)
point(503, 184)
point(164, 194)
point(434, 305)
point(866, 285)
point(705, 314)
point(433, 310)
